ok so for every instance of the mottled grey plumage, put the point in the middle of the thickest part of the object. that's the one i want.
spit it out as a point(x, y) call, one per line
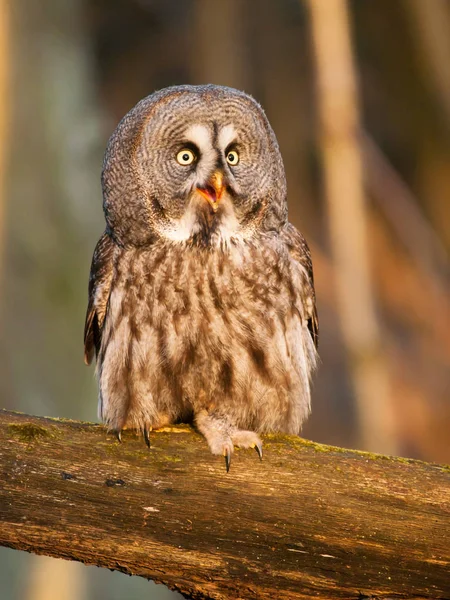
point(201, 296)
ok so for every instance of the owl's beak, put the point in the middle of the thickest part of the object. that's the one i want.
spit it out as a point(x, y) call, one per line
point(213, 190)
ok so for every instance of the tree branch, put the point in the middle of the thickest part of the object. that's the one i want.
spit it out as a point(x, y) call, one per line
point(309, 521)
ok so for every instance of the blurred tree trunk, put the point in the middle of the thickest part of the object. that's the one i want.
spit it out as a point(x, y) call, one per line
point(54, 209)
point(430, 22)
point(218, 51)
point(430, 25)
point(338, 113)
point(281, 54)
point(53, 187)
point(4, 117)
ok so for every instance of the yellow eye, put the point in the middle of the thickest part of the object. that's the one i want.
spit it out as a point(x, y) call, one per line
point(232, 158)
point(185, 157)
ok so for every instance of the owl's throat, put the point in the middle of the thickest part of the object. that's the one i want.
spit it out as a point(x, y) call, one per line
point(208, 218)
point(205, 222)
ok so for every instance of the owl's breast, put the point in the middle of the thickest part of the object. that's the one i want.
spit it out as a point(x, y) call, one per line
point(212, 326)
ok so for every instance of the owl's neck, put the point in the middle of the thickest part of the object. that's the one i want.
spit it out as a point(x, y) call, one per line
point(203, 227)
point(206, 228)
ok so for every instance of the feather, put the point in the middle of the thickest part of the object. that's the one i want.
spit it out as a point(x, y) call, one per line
point(300, 252)
point(99, 288)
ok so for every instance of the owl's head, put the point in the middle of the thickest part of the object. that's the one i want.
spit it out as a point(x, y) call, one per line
point(193, 163)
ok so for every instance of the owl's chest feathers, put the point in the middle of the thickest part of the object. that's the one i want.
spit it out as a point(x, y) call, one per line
point(177, 280)
point(219, 314)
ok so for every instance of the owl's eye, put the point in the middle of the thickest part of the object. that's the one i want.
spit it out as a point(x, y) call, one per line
point(185, 157)
point(232, 158)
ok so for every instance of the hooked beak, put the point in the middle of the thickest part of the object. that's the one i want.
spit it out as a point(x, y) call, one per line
point(213, 191)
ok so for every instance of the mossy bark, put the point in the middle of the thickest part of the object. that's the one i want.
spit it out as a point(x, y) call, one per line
point(308, 521)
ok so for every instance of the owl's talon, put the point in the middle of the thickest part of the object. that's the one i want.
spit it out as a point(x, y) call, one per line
point(227, 455)
point(118, 434)
point(146, 437)
point(258, 448)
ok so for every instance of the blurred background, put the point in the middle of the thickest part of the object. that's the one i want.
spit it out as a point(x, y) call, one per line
point(358, 94)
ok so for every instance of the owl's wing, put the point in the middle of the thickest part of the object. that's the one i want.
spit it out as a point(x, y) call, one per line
point(299, 251)
point(99, 287)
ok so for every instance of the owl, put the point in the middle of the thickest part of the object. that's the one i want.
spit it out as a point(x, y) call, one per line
point(201, 297)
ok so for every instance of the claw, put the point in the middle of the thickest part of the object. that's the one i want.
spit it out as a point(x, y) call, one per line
point(258, 448)
point(147, 437)
point(118, 434)
point(227, 455)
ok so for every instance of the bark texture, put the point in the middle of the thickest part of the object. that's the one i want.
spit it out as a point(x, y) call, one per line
point(308, 521)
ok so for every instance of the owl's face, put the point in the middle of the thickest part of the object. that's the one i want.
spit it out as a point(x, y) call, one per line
point(193, 163)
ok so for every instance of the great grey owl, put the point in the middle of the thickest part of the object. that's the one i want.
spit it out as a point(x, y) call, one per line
point(201, 296)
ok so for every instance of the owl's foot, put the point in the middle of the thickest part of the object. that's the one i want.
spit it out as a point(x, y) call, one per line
point(223, 437)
